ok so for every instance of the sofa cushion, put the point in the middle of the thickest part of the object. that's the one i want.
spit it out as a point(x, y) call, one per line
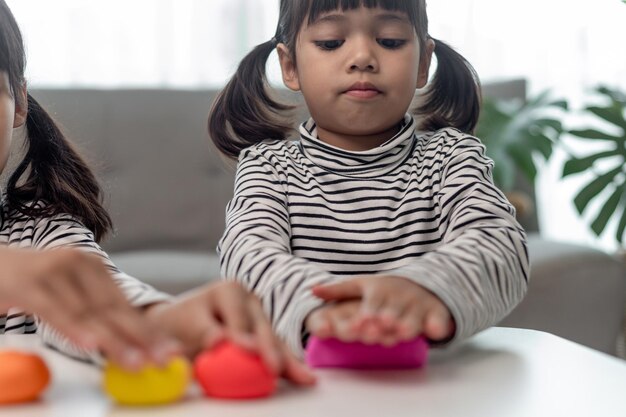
point(170, 271)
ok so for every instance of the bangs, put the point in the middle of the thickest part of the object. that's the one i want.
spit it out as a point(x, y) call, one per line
point(315, 8)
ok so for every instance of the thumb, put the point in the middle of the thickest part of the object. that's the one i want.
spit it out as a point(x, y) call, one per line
point(438, 326)
point(340, 291)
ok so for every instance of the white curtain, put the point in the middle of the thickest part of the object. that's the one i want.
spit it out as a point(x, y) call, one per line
point(569, 46)
point(140, 43)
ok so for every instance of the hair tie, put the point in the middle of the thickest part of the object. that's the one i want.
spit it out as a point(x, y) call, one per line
point(274, 41)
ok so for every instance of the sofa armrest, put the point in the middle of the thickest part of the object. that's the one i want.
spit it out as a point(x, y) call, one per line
point(575, 292)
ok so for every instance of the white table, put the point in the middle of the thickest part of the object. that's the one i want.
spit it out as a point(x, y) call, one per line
point(501, 372)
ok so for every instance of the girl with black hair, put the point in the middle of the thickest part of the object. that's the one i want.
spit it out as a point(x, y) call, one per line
point(51, 219)
point(374, 224)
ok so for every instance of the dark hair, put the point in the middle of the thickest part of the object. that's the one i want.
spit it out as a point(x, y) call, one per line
point(52, 171)
point(244, 114)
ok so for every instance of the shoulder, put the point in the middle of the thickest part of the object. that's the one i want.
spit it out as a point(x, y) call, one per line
point(450, 144)
point(271, 156)
point(449, 139)
point(43, 231)
point(270, 150)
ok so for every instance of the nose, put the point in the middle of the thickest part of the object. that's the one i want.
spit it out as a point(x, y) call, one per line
point(363, 57)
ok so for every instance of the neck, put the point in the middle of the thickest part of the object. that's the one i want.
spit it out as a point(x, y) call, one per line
point(356, 143)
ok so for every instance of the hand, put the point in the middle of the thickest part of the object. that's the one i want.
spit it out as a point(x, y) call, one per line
point(392, 309)
point(336, 320)
point(203, 317)
point(74, 292)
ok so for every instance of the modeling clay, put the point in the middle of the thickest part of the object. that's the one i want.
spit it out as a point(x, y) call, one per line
point(333, 353)
point(229, 371)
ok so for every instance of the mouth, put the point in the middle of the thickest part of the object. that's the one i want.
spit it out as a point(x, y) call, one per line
point(363, 90)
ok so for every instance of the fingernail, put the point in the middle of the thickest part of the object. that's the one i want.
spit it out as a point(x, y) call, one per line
point(164, 351)
point(132, 358)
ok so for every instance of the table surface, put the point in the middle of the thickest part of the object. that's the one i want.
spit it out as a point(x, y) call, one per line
point(499, 372)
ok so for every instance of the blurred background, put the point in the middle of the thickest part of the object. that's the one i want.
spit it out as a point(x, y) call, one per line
point(567, 46)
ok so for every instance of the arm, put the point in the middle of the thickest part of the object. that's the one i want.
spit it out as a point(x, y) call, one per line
point(480, 272)
point(255, 249)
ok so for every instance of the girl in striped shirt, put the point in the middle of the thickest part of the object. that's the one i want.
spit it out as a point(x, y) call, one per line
point(374, 224)
point(51, 219)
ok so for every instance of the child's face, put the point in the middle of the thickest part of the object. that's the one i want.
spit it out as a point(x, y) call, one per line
point(11, 116)
point(357, 69)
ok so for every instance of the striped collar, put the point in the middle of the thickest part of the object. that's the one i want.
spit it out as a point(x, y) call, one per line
point(370, 163)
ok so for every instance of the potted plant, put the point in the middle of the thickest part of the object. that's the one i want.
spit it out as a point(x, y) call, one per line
point(608, 184)
point(515, 133)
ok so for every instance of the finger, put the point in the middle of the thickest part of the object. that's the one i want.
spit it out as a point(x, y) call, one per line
point(345, 290)
point(212, 331)
point(114, 348)
point(438, 325)
point(343, 330)
point(124, 323)
point(373, 301)
point(343, 321)
point(269, 346)
point(390, 338)
point(229, 304)
point(113, 311)
point(51, 311)
point(390, 313)
point(319, 324)
point(371, 333)
point(411, 323)
point(296, 371)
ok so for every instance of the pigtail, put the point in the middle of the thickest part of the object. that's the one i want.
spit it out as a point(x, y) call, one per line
point(54, 173)
point(244, 114)
point(453, 98)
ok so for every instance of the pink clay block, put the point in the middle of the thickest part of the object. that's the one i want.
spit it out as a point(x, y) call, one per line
point(333, 353)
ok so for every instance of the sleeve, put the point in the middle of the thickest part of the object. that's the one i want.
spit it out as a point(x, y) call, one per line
point(481, 269)
point(64, 231)
point(255, 249)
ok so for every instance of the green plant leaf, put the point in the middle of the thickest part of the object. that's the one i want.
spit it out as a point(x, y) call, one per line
point(593, 134)
point(612, 115)
point(504, 173)
point(607, 211)
point(553, 123)
point(594, 188)
point(560, 103)
point(621, 227)
point(513, 132)
point(577, 165)
point(524, 161)
point(544, 145)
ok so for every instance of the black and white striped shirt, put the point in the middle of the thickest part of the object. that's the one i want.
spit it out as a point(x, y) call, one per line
point(19, 231)
point(422, 205)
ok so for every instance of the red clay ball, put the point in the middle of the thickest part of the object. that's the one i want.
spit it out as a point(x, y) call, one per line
point(229, 371)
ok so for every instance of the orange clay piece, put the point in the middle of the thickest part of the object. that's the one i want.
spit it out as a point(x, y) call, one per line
point(23, 376)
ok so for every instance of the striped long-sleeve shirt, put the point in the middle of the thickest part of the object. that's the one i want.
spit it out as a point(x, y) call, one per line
point(422, 205)
point(19, 231)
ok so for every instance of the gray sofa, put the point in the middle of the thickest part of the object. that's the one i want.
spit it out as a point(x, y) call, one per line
point(167, 189)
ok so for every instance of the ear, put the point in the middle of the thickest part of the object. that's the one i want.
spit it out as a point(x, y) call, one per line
point(425, 60)
point(21, 107)
point(288, 68)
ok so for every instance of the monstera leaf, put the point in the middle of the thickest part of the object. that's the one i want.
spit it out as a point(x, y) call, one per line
point(613, 178)
point(514, 132)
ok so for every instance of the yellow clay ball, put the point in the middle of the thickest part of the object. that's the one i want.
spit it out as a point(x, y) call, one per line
point(149, 386)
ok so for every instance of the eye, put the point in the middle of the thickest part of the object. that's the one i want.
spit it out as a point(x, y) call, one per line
point(329, 45)
point(391, 43)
